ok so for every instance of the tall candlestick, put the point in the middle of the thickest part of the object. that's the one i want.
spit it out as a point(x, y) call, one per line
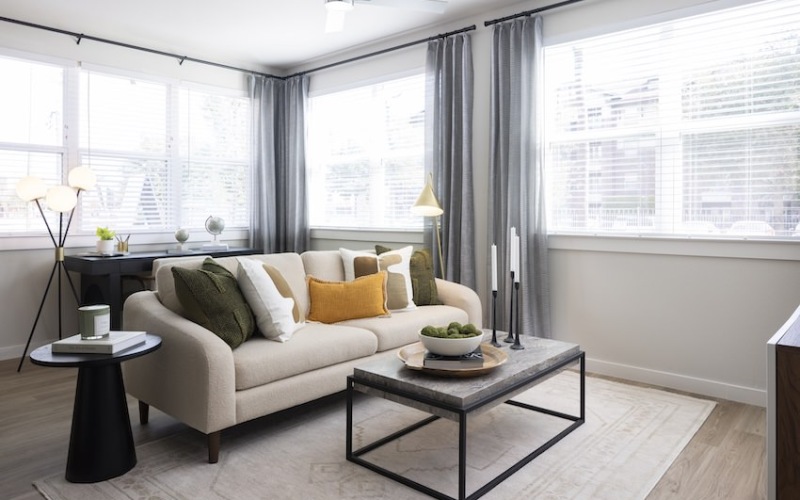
point(512, 250)
point(494, 268)
point(517, 270)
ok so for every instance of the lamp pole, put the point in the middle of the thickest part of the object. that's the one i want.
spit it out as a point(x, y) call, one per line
point(60, 199)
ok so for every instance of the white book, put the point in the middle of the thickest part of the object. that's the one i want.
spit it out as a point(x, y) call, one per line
point(114, 343)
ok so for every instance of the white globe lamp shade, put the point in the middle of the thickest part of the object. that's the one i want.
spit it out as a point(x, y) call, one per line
point(61, 198)
point(31, 188)
point(82, 178)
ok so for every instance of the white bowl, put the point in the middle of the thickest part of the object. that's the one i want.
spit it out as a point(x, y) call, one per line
point(450, 347)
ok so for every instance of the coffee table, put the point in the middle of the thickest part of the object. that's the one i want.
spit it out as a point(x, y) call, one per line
point(458, 398)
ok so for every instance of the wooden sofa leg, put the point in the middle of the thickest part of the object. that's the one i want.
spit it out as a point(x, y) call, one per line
point(144, 413)
point(213, 446)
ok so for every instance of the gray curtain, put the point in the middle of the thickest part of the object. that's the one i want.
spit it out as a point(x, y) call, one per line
point(448, 121)
point(516, 172)
point(280, 216)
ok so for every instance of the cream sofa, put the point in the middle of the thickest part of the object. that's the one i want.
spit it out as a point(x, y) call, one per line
point(196, 378)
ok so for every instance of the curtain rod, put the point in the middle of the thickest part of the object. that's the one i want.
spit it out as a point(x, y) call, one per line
point(532, 12)
point(181, 59)
point(384, 51)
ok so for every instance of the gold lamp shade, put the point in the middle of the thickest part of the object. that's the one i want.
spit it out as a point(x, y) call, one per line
point(427, 205)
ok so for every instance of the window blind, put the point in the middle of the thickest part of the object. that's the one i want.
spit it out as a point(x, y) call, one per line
point(690, 127)
point(366, 155)
point(31, 139)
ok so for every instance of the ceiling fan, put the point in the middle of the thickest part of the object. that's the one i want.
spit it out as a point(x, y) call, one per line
point(337, 9)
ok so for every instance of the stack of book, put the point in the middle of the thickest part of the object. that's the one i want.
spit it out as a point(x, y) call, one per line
point(472, 359)
point(114, 343)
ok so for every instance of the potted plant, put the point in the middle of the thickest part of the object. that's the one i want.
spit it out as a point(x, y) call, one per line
point(105, 245)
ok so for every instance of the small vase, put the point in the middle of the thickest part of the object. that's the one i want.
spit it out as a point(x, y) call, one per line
point(105, 247)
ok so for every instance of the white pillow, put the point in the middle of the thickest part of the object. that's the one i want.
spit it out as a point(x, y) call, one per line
point(403, 268)
point(273, 311)
point(400, 295)
point(348, 258)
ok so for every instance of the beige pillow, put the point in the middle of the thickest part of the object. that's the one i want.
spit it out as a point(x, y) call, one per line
point(334, 301)
point(285, 290)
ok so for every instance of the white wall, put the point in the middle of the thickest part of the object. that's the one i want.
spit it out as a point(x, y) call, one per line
point(689, 315)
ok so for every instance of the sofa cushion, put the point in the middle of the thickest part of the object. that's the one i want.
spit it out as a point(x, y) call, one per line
point(402, 327)
point(314, 345)
point(324, 264)
point(334, 301)
point(211, 297)
point(423, 281)
point(272, 311)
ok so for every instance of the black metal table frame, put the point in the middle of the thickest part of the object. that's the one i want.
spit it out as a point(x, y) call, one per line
point(355, 455)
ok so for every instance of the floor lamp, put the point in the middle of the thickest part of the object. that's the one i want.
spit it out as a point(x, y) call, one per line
point(428, 206)
point(61, 199)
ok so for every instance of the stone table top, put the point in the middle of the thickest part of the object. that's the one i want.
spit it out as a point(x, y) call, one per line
point(463, 393)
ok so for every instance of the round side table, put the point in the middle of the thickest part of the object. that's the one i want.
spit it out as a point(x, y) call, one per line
point(101, 440)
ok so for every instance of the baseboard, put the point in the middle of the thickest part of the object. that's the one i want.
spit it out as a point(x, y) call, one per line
point(15, 351)
point(748, 395)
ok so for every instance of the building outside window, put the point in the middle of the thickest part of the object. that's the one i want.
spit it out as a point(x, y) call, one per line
point(690, 127)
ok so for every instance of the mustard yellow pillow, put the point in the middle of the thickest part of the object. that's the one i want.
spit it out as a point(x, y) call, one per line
point(334, 301)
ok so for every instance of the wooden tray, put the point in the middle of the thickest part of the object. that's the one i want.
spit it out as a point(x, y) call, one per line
point(414, 354)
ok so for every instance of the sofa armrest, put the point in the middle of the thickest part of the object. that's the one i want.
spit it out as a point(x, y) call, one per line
point(462, 297)
point(191, 377)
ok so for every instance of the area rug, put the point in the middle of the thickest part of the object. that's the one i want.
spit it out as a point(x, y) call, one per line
point(630, 438)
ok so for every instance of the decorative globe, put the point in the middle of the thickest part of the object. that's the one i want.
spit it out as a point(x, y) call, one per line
point(181, 235)
point(214, 226)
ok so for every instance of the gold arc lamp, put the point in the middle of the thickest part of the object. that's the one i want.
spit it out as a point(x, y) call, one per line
point(428, 206)
point(61, 199)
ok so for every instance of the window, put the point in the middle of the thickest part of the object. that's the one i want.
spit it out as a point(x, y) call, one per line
point(31, 136)
point(165, 154)
point(156, 173)
point(682, 128)
point(366, 156)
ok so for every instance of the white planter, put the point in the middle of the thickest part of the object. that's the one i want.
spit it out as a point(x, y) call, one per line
point(105, 247)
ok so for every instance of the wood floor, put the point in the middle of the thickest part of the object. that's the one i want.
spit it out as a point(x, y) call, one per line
point(726, 459)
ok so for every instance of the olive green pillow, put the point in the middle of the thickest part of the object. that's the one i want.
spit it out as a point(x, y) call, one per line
point(423, 281)
point(211, 297)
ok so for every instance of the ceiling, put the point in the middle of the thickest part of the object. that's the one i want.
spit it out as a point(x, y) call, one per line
point(271, 35)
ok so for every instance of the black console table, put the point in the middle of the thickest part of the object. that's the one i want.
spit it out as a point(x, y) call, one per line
point(101, 277)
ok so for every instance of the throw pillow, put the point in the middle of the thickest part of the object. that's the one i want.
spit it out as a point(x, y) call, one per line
point(423, 281)
point(349, 262)
point(285, 290)
point(273, 311)
point(334, 301)
point(211, 297)
point(399, 288)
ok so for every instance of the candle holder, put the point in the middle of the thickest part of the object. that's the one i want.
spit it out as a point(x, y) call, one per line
point(510, 337)
point(494, 319)
point(517, 345)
